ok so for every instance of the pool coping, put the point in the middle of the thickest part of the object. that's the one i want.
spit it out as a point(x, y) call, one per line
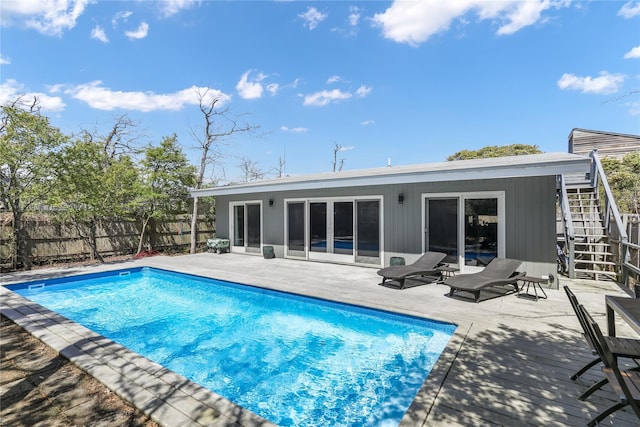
point(163, 395)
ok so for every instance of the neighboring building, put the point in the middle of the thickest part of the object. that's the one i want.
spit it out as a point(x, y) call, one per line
point(473, 210)
point(608, 144)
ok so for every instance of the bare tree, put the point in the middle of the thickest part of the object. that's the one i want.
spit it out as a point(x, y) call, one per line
point(250, 170)
point(219, 124)
point(122, 138)
point(337, 164)
point(282, 165)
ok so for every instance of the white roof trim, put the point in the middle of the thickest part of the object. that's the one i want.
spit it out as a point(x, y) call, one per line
point(479, 169)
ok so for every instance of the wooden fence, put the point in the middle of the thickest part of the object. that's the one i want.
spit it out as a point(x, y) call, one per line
point(51, 241)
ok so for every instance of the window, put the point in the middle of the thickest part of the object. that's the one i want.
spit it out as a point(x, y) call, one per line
point(345, 229)
point(295, 227)
point(246, 226)
point(468, 227)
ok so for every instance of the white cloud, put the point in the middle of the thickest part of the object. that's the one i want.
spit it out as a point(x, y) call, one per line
point(4, 60)
point(633, 53)
point(250, 89)
point(351, 147)
point(171, 7)
point(312, 17)
point(325, 97)
point(293, 130)
point(526, 13)
point(368, 122)
point(604, 84)
point(363, 91)
point(414, 22)
point(634, 108)
point(354, 16)
point(273, 88)
point(101, 98)
point(11, 90)
point(630, 10)
point(121, 16)
point(335, 79)
point(99, 34)
point(140, 33)
point(48, 17)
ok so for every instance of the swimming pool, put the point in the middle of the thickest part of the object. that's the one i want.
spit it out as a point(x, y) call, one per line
point(293, 360)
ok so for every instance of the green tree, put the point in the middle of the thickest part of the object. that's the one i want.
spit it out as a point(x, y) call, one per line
point(166, 179)
point(93, 187)
point(495, 151)
point(623, 176)
point(28, 144)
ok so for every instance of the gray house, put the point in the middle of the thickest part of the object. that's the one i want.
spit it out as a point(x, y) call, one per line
point(473, 210)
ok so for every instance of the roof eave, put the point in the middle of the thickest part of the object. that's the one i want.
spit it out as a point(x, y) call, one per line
point(574, 166)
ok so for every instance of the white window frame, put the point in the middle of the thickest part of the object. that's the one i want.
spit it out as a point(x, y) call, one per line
point(461, 197)
point(320, 256)
point(232, 219)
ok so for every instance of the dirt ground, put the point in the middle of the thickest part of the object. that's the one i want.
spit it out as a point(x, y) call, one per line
point(38, 387)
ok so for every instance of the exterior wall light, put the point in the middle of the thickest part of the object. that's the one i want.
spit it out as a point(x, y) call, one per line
point(400, 198)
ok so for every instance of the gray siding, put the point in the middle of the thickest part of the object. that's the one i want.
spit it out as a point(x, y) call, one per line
point(582, 141)
point(529, 204)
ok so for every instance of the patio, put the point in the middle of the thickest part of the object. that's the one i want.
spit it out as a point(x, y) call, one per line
point(508, 364)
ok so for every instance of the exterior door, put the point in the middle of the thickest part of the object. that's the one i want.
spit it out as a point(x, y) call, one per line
point(296, 229)
point(334, 230)
point(246, 227)
point(368, 231)
point(468, 227)
point(441, 232)
point(331, 225)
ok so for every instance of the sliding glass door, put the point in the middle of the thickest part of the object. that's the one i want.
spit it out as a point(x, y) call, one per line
point(296, 230)
point(341, 230)
point(331, 231)
point(480, 231)
point(246, 227)
point(441, 232)
point(468, 227)
point(368, 231)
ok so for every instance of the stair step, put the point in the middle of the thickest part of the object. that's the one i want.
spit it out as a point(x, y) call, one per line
point(584, 270)
point(595, 263)
point(608, 274)
point(593, 253)
point(592, 270)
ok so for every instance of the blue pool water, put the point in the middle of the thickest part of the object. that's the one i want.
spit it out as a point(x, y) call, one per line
point(293, 360)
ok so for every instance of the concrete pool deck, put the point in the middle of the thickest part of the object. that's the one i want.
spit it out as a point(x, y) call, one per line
point(508, 364)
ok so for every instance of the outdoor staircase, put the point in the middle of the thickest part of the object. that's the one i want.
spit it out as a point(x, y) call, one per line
point(592, 235)
point(593, 256)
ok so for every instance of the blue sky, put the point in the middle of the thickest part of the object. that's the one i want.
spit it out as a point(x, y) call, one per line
point(411, 81)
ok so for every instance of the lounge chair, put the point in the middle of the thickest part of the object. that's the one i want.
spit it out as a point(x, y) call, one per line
point(499, 272)
point(620, 347)
point(426, 265)
point(626, 384)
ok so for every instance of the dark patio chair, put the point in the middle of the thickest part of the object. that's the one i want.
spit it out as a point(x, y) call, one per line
point(620, 347)
point(499, 272)
point(426, 265)
point(626, 384)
